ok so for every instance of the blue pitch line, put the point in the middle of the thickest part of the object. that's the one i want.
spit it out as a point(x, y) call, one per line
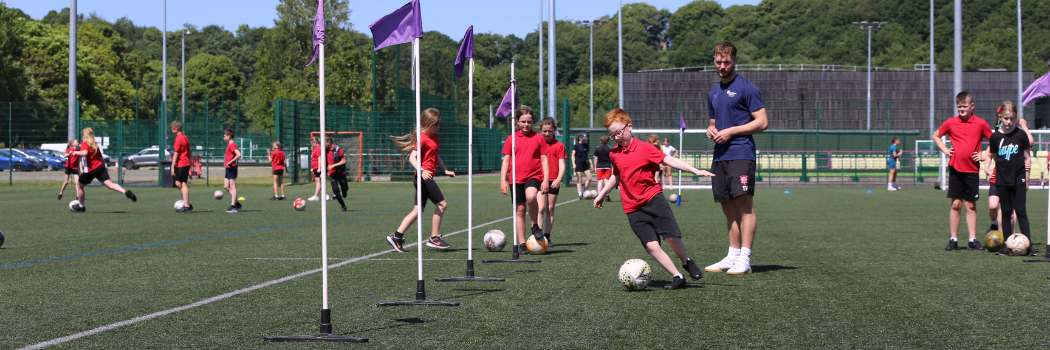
point(206, 237)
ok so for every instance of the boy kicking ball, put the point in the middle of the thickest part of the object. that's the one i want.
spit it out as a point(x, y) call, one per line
point(634, 164)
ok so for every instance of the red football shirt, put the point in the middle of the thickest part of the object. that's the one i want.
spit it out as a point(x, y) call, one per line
point(966, 137)
point(277, 159)
point(72, 162)
point(528, 149)
point(555, 154)
point(94, 158)
point(635, 167)
point(339, 170)
point(430, 152)
point(313, 157)
point(182, 146)
point(231, 149)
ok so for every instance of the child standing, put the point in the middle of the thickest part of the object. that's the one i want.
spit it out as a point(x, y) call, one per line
point(530, 173)
point(994, 214)
point(1009, 147)
point(96, 169)
point(891, 164)
point(430, 122)
point(665, 170)
point(72, 166)
point(581, 164)
point(315, 152)
point(336, 170)
point(602, 165)
point(634, 164)
point(276, 158)
point(180, 169)
point(555, 164)
point(233, 154)
point(966, 132)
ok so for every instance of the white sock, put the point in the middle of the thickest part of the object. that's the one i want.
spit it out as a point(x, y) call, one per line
point(973, 240)
point(733, 253)
point(745, 256)
point(679, 276)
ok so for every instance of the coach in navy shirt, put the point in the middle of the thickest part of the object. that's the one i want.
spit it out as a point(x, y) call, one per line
point(737, 112)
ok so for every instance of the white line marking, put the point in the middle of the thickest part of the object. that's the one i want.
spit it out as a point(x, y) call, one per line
point(148, 317)
point(377, 259)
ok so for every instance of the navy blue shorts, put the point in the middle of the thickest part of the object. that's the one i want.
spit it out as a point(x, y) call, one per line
point(231, 172)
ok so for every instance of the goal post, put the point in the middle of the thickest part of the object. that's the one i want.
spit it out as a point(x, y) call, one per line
point(351, 143)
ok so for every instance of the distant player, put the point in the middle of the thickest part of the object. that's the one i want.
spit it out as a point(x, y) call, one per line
point(180, 170)
point(737, 112)
point(581, 165)
point(233, 154)
point(72, 166)
point(634, 163)
point(276, 158)
point(556, 166)
point(966, 131)
point(891, 163)
point(1008, 148)
point(336, 170)
point(95, 169)
point(670, 151)
point(315, 152)
point(602, 164)
point(531, 172)
point(430, 122)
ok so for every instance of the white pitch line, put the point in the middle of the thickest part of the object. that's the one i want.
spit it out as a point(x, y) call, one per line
point(378, 259)
point(148, 317)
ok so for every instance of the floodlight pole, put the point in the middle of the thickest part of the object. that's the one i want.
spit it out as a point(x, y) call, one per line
point(552, 71)
point(933, 70)
point(619, 43)
point(864, 25)
point(183, 77)
point(540, 35)
point(164, 74)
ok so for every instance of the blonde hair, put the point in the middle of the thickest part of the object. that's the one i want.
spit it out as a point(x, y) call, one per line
point(70, 143)
point(89, 136)
point(277, 144)
point(177, 125)
point(427, 119)
point(314, 140)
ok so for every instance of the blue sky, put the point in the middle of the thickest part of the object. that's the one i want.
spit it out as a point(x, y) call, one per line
point(450, 17)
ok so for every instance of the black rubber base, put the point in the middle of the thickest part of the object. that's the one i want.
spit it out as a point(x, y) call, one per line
point(511, 261)
point(418, 303)
point(1047, 259)
point(467, 279)
point(321, 337)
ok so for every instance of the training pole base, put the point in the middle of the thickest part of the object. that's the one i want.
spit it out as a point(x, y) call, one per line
point(1047, 259)
point(418, 303)
point(320, 337)
point(469, 279)
point(511, 261)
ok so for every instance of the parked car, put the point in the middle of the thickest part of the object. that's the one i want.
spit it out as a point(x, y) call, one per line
point(15, 162)
point(146, 157)
point(53, 163)
point(39, 163)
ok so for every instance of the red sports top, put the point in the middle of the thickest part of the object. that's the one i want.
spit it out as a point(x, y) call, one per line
point(277, 159)
point(430, 152)
point(182, 146)
point(94, 158)
point(966, 137)
point(231, 149)
point(313, 157)
point(555, 154)
point(72, 162)
point(635, 167)
point(339, 170)
point(528, 149)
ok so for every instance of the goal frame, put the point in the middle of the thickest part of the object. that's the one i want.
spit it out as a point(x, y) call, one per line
point(357, 174)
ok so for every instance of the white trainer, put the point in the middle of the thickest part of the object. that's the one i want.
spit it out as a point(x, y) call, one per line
point(721, 266)
point(739, 268)
point(313, 199)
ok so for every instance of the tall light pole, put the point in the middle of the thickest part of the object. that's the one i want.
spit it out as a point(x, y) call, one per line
point(933, 68)
point(540, 102)
point(184, 77)
point(864, 25)
point(591, 24)
point(552, 72)
point(957, 74)
point(619, 43)
point(72, 118)
point(164, 73)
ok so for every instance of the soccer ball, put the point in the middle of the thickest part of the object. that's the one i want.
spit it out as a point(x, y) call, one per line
point(635, 274)
point(1017, 244)
point(299, 204)
point(74, 205)
point(495, 240)
point(178, 205)
point(674, 197)
point(218, 194)
point(993, 241)
point(536, 247)
point(588, 194)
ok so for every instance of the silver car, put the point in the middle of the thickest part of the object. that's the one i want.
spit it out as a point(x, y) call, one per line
point(146, 157)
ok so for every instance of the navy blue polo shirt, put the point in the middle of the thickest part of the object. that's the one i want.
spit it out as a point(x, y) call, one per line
point(731, 105)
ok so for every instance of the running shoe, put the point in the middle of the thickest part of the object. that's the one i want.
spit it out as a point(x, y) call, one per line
point(397, 243)
point(537, 232)
point(739, 268)
point(721, 266)
point(436, 242)
point(60, 197)
point(973, 245)
point(231, 209)
point(127, 193)
point(676, 283)
point(313, 199)
point(274, 198)
point(694, 271)
point(952, 245)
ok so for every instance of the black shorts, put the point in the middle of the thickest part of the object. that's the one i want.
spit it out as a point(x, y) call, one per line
point(431, 192)
point(551, 189)
point(317, 173)
point(278, 172)
point(733, 178)
point(992, 191)
point(519, 189)
point(182, 173)
point(653, 220)
point(963, 185)
point(231, 172)
point(99, 173)
point(72, 171)
point(581, 167)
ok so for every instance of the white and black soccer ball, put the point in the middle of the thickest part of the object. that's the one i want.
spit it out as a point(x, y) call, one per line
point(1018, 244)
point(218, 194)
point(635, 274)
point(495, 240)
point(73, 205)
point(179, 205)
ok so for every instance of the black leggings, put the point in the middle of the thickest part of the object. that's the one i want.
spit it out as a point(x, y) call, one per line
point(339, 182)
point(1012, 198)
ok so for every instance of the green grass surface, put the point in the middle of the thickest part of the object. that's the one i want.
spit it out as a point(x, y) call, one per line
point(834, 268)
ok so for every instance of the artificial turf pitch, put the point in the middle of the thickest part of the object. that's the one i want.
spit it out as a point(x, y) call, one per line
point(834, 267)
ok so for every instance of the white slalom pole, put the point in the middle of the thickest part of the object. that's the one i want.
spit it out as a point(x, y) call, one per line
point(324, 192)
point(513, 157)
point(419, 154)
point(470, 161)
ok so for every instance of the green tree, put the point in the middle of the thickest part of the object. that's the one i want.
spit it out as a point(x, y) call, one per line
point(15, 80)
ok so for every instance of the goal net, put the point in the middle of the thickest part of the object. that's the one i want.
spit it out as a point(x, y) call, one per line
point(350, 142)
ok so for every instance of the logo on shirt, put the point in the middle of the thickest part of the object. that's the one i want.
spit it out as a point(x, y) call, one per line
point(743, 182)
point(730, 93)
point(1008, 150)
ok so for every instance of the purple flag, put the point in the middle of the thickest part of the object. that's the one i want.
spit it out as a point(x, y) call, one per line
point(1039, 88)
point(399, 27)
point(466, 49)
point(318, 30)
point(682, 122)
point(506, 107)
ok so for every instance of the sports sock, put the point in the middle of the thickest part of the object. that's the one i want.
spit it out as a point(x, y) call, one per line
point(954, 240)
point(679, 276)
point(733, 253)
point(995, 223)
point(973, 240)
point(399, 235)
point(745, 256)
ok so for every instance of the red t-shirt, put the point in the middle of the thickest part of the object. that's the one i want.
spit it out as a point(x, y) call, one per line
point(966, 137)
point(313, 157)
point(555, 154)
point(182, 146)
point(94, 158)
point(231, 149)
point(339, 170)
point(528, 149)
point(430, 152)
point(72, 162)
point(635, 167)
point(277, 159)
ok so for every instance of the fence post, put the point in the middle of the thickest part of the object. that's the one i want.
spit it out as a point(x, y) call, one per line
point(10, 167)
point(276, 119)
point(120, 152)
point(207, 144)
point(566, 140)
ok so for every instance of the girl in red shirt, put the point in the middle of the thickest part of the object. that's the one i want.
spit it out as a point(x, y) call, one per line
point(530, 173)
point(72, 166)
point(556, 167)
point(315, 151)
point(95, 169)
point(276, 158)
point(427, 166)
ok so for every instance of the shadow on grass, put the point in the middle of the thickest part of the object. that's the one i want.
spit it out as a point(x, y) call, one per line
point(550, 252)
point(477, 291)
point(768, 268)
point(569, 244)
point(661, 284)
point(405, 322)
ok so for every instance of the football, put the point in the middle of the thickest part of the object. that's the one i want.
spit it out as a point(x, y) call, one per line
point(588, 194)
point(218, 194)
point(1017, 244)
point(635, 274)
point(536, 247)
point(178, 205)
point(73, 205)
point(993, 241)
point(674, 197)
point(299, 204)
point(495, 240)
